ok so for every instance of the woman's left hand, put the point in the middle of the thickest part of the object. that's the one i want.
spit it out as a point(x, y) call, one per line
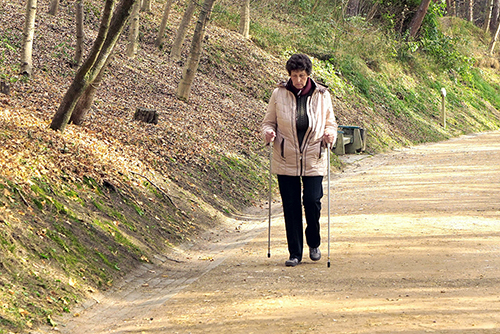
point(328, 138)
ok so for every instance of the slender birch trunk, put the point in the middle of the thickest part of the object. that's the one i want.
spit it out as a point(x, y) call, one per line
point(147, 6)
point(175, 53)
point(245, 19)
point(133, 33)
point(471, 11)
point(193, 60)
point(494, 41)
point(28, 33)
point(109, 32)
point(494, 15)
point(487, 17)
point(54, 7)
point(79, 33)
point(161, 33)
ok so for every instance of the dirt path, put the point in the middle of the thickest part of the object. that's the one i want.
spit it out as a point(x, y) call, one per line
point(415, 248)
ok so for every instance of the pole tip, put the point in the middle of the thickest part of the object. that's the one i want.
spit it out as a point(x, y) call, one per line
point(328, 263)
point(268, 254)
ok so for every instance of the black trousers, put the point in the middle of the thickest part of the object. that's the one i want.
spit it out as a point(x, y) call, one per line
point(293, 200)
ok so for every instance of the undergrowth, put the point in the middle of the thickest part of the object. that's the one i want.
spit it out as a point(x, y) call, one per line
point(385, 82)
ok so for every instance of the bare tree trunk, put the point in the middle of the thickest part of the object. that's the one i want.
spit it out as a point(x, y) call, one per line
point(147, 6)
point(83, 77)
point(403, 18)
point(352, 8)
point(83, 105)
point(163, 25)
point(79, 33)
point(495, 15)
point(494, 41)
point(416, 22)
point(133, 32)
point(245, 19)
point(85, 101)
point(109, 32)
point(193, 60)
point(175, 53)
point(28, 33)
point(449, 6)
point(54, 7)
point(487, 17)
point(471, 11)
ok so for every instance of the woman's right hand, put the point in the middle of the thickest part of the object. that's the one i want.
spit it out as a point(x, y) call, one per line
point(270, 135)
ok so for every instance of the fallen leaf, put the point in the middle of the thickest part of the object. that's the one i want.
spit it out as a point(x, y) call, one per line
point(72, 281)
point(23, 312)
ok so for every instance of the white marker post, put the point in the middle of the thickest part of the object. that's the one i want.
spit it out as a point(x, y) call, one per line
point(443, 109)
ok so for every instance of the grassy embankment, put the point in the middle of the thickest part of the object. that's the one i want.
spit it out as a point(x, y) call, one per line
point(81, 209)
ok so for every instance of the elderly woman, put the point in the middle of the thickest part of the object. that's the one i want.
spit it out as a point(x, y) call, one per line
point(301, 122)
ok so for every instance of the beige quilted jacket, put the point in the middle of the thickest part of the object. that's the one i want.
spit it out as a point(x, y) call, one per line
point(288, 158)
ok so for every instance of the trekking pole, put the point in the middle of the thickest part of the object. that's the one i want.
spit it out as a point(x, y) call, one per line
point(328, 145)
point(270, 199)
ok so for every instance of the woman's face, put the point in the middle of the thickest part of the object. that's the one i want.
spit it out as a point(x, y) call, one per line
point(299, 78)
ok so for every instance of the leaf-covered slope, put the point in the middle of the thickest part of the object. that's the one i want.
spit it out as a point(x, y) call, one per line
point(80, 209)
point(221, 119)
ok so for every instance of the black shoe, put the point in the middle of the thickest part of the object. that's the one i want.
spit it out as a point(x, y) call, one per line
point(292, 262)
point(314, 254)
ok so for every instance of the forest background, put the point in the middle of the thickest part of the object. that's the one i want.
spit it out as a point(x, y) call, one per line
point(81, 208)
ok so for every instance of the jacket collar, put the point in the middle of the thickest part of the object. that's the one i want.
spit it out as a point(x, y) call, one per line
point(317, 87)
point(307, 90)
